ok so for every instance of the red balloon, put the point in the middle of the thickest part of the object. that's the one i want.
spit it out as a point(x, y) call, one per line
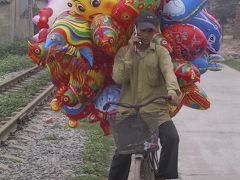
point(44, 15)
point(188, 41)
point(124, 14)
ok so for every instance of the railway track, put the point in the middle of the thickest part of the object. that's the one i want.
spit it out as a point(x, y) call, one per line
point(13, 122)
point(34, 141)
point(21, 77)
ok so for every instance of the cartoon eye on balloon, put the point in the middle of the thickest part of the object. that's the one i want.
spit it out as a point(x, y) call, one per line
point(37, 51)
point(80, 7)
point(69, 4)
point(95, 3)
point(65, 99)
point(211, 39)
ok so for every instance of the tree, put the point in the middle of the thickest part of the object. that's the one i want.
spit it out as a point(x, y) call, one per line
point(222, 10)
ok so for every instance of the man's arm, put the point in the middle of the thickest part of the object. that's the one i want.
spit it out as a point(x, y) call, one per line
point(123, 63)
point(122, 66)
point(167, 70)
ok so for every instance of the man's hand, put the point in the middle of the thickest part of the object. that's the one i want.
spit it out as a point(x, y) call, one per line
point(133, 41)
point(175, 100)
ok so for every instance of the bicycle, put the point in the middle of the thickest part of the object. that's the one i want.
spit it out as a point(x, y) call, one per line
point(137, 133)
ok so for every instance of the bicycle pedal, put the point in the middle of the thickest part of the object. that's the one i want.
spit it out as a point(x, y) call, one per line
point(150, 146)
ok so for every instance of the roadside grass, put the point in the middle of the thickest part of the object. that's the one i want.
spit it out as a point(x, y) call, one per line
point(10, 102)
point(18, 47)
point(233, 63)
point(13, 63)
point(97, 153)
point(53, 137)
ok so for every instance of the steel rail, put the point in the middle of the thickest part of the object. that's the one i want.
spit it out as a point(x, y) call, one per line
point(12, 124)
point(16, 79)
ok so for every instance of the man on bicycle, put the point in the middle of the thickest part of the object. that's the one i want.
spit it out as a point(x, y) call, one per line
point(144, 69)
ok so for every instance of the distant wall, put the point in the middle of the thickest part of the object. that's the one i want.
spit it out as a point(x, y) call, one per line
point(23, 19)
point(15, 20)
point(5, 23)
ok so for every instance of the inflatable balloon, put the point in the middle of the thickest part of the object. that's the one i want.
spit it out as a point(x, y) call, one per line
point(78, 40)
point(55, 60)
point(90, 8)
point(214, 58)
point(41, 20)
point(110, 93)
point(186, 73)
point(47, 15)
point(76, 113)
point(201, 63)
point(210, 28)
point(72, 32)
point(188, 41)
point(181, 10)
point(124, 13)
point(212, 18)
point(195, 97)
point(106, 35)
point(208, 62)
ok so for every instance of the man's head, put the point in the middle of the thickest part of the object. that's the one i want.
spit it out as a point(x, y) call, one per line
point(146, 23)
point(147, 20)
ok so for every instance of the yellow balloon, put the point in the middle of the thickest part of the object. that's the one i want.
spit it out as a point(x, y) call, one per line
point(73, 123)
point(91, 8)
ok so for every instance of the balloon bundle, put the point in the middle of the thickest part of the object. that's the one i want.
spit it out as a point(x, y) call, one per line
point(78, 39)
point(195, 37)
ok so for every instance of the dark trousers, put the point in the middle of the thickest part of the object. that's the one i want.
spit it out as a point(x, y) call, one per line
point(168, 163)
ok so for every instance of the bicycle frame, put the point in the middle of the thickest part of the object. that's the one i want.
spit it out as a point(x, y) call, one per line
point(146, 164)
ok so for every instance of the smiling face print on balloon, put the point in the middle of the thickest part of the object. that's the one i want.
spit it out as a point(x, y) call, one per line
point(91, 8)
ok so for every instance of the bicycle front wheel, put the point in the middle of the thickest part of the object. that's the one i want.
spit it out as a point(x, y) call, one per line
point(148, 167)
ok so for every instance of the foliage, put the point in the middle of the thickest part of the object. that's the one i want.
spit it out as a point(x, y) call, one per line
point(18, 47)
point(53, 137)
point(224, 12)
point(97, 154)
point(234, 63)
point(13, 63)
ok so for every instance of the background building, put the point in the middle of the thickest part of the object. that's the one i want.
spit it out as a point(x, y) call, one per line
point(15, 20)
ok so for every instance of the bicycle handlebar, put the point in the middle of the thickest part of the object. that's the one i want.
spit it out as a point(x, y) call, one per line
point(126, 105)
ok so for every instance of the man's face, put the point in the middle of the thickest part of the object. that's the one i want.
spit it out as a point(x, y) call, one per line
point(146, 35)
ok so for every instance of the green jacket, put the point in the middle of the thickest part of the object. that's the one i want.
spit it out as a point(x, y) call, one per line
point(144, 77)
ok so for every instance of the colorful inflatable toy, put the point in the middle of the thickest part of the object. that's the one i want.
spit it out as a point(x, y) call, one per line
point(181, 10)
point(187, 41)
point(78, 40)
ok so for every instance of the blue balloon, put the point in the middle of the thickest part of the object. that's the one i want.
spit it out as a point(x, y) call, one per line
point(54, 39)
point(182, 10)
point(201, 63)
point(207, 62)
point(210, 28)
point(213, 58)
point(110, 93)
point(73, 110)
